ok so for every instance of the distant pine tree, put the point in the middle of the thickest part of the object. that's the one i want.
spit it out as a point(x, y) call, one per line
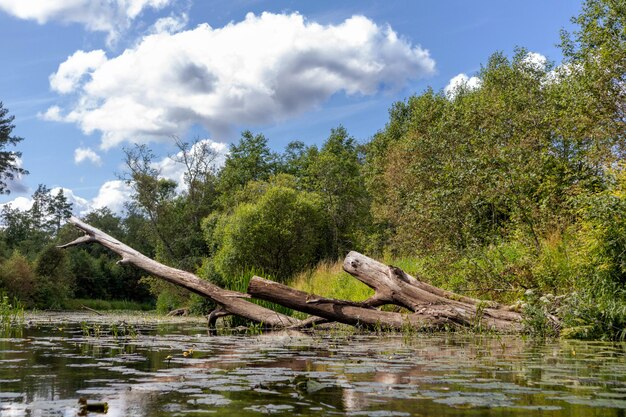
point(9, 160)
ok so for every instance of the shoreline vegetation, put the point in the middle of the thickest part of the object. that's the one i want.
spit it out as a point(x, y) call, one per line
point(512, 190)
point(429, 308)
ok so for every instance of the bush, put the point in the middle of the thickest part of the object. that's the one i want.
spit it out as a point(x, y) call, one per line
point(18, 279)
point(168, 300)
point(282, 232)
point(598, 308)
point(90, 282)
point(54, 278)
point(589, 315)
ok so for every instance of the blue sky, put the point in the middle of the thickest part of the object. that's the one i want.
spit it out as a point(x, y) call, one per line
point(84, 79)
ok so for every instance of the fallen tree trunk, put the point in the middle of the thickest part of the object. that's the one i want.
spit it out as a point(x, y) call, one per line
point(231, 301)
point(430, 307)
point(394, 286)
point(356, 314)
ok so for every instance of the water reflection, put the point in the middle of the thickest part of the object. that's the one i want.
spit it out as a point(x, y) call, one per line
point(178, 370)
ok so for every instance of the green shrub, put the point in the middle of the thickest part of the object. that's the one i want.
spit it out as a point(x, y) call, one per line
point(592, 315)
point(54, 278)
point(18, 279)
point(167, 301)
point(598, 308)
point(281, 233)
point(199, 305)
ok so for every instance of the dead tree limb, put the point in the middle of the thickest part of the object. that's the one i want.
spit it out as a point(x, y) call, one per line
point(214, 315)
point(342, 311)
point(394, 286)
point(231, 301)
point(430, 307)
point(91, 309)
point(309, 323)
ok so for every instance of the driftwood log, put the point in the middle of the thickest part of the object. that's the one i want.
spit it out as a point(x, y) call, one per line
point(356, 314)
point(394, 286)
point(429, 307)
point(232, 302)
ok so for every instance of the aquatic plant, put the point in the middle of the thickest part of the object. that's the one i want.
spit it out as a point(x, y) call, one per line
point(85, 328)
point(115, 329)
point(130, 331)
point(254, 329)
point(11, 313)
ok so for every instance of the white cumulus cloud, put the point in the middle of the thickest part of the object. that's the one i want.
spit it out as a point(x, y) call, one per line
point(71, 71)
point(170, 24)
point(87, 154)
point(20, 203)
point(535, 60)
point(111, 16)
point(260, 70)
point(112, 194)
point(461, 81)
point(53, 114)
point(79, 204)
point(174, 169)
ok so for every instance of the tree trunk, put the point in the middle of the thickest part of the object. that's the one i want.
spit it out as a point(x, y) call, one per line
point(231, 301)
point(430, 307)
point(356, 314)
point(394, 286)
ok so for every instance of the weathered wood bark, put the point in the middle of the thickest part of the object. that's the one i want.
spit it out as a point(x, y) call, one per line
point(394, 286)
point(343, 311)
point(430, 307)
point(178, 312)
point(215, 314)
point(231, 301)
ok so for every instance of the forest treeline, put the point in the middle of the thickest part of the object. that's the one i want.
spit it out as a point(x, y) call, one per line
point(514, 189)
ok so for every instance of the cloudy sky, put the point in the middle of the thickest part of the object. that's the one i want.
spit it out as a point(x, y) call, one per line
point(85, 78)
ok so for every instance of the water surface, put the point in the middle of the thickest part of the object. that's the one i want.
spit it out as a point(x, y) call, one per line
point(149, 368)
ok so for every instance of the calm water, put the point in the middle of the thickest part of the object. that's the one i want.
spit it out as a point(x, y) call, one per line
point(45, 369)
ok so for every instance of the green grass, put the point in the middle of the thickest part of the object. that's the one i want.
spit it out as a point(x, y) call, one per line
point(106, 305)
point(329, 280)
point(240, 283)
